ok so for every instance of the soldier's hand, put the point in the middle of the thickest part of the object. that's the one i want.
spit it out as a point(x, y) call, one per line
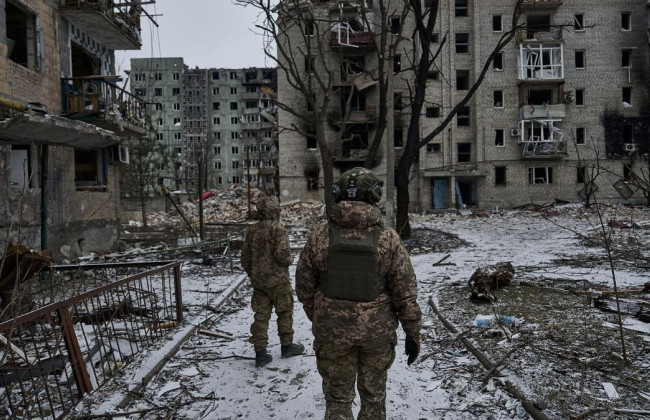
point(412, 347)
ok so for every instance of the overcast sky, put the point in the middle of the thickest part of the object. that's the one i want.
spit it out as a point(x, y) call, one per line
point(206, 33)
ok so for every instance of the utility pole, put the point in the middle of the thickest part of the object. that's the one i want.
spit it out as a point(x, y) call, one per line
point(248, 179)
point(200, 189)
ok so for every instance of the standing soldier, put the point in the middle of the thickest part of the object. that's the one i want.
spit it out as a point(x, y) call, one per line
point(266, 257)
point(355, 281)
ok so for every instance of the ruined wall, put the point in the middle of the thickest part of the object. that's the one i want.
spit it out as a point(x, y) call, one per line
point(80, 221)
point(41, 84)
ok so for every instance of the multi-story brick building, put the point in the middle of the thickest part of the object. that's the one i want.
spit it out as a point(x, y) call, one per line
point(569, 93)
point(62, 121)
point(222, 119)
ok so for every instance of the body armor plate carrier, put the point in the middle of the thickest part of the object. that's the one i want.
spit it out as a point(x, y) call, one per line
point(352, 266)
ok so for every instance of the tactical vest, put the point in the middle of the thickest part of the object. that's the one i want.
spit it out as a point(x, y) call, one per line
point(352, 266)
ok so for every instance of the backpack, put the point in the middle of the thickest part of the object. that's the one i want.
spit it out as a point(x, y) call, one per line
point(352, 266)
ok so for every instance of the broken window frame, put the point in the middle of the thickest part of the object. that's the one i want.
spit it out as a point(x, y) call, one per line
point(312, 179)
point(462, 79)
point(463, 117)
point(497, 23)
point(24, 175)
point(626, 92)
point(498, 101)
point(540, 175)
point(581, 174)
point(397, 63)
point(500, 175)
point(579, 22)
point(90, 170)
point(398, 138)
point(626, 58)
point(581, 136)
point(580, 59)
point(499, 137)
point(497, 63)
point(433, 147)
point(432, 112)
point(537, 23)
point(626, 21)
point(580, 97)
point(26, 49)
point(395, 25)
point(541, 61)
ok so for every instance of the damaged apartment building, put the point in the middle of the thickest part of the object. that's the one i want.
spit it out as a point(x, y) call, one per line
point(563, 104)
point(63, 118)
point(220, 120)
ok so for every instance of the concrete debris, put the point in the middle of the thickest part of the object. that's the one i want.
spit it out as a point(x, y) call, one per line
point(18, 265)
point(231, 206)
point(490, 278)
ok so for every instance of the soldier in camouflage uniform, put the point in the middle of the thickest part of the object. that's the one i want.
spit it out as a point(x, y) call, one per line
point(266, 257)
point(355, 327)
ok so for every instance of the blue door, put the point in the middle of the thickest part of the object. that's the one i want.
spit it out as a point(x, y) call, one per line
point(439, 193)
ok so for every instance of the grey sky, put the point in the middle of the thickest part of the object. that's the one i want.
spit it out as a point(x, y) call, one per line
point(206, 33)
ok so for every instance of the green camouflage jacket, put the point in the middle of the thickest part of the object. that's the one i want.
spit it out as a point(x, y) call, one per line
point(348, 322)
point(266, 255)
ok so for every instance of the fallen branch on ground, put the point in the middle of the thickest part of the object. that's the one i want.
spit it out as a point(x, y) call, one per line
point(534, 412)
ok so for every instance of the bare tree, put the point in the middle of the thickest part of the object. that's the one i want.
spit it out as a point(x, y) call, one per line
point(314, 51)
point(425, 15)
point(147, 158)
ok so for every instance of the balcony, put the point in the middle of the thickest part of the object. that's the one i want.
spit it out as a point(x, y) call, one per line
point(542, 139)
point(355, 116)
point(251, 96)
point(116, 26)
point(538, 5)
point(346, 37)
point(541, 61)
point(547, 111)
point(349, 6)
point(95, 100)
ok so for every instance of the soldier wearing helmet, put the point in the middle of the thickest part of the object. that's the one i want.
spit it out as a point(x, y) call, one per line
point(266, 257)
point(356, 284)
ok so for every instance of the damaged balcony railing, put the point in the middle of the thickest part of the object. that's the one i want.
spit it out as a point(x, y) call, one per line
point(55, 354)
point(115, 24)
point(95, 98)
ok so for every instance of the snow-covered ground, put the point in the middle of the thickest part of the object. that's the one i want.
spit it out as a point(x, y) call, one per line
point(215, 377)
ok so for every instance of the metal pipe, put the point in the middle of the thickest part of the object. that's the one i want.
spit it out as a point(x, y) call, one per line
point(6, 103)
point(45, 157)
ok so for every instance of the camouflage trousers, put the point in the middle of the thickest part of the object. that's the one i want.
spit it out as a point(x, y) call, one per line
point(263, 301)
point(340, 366)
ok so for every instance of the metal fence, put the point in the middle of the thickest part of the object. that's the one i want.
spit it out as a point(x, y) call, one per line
point(89, 322)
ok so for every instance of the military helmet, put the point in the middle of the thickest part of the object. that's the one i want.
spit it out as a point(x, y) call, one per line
point(358, 184)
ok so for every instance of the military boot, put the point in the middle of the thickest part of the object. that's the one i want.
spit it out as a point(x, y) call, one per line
point(262, 358)
point(291, 350)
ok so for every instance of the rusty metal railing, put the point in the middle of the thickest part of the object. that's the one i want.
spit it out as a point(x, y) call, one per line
point(55, 354)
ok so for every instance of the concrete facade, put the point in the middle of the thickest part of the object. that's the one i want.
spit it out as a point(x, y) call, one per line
point(569, 92)
point(58, 174)
point(221, 117)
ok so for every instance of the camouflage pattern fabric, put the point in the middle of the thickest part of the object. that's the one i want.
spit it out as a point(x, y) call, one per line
point(263, 301)
point(344, 322)
point(266, 258)
point(339, 366)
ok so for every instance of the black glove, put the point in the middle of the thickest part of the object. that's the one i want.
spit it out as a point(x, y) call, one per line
point(412, 347)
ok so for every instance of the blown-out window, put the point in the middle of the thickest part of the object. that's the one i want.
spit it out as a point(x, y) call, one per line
point(22, 36)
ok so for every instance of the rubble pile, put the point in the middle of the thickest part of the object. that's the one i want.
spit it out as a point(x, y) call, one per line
point(231, 206)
